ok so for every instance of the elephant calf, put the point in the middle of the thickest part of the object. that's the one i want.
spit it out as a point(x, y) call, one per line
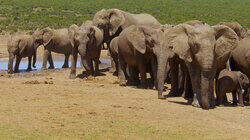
point(21, 46)
point(231, 81)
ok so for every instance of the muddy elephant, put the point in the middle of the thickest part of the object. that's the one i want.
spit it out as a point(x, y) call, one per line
point(55, 41)
point(234, 26)
point(240, 60)
point(87, 41)
point(140, 47)
point(21, 46)
point(202, 48)
point(231, 81)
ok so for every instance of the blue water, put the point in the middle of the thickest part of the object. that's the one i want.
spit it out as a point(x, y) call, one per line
point(57, 64)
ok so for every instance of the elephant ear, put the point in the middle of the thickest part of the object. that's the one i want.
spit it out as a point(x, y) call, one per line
point(72, 29)
point(116, 20)
point(226, 41)
point(136, 37)
point(178, 40)
point(22, 46)
point(91, 35)
point(47, 36)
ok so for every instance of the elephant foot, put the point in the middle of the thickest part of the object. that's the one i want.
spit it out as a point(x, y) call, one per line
point(195, 103)
point(72, 76)
point(162, 97)
point(10, 72)
point(51, 67)
point(241, 105)
point(29, 69)
point(112, 70)
point(97, 74)
point(65, 66)
point(16, 71)
point(115, 73)
point(123, 84)
point(221, 105)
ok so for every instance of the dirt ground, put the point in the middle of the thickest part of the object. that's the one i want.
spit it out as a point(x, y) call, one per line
point(49, 105)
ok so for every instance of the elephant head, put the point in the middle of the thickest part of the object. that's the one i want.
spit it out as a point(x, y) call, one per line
point(243, 81)
point(44, 36)
point(148, 40)
point(202, 47)
point(109, 20)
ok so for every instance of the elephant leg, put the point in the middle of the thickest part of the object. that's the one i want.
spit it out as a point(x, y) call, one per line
point(219, 96)
point(73, 64)
point(66, 61)
point(142, 70)
point(97, 72)
point(45, 59)
point(246, 95)
point(240, 97)
point(116, 68)
point(234, 97)
point(51, 63)
point(10, 63)
point(133, 78)
point(181, 81)
point(174, 78)
point(188, 87)
point(18, 60)
point(122, 71)
point(29, 63)
point(195, 81)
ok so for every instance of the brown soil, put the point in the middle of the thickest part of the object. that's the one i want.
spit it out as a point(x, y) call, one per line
point(49, 105)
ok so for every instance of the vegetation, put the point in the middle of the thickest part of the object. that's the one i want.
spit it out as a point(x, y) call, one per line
point(31, 14)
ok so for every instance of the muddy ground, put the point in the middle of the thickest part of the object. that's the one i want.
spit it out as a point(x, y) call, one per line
point(49, 105)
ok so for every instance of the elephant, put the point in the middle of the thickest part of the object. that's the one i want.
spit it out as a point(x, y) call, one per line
point(55, 41)
point(234, 26)
point(87, 41)
point(21, 46)
point(140, 47)
point(231, 81)
point(203, 49)
point(87, 23)
point(240, 60)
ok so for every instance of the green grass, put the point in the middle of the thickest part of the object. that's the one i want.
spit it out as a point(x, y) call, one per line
point(31, 14)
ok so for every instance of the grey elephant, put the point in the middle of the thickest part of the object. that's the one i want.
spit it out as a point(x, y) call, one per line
point(21, 46)
point(231, 81)
point(203, 49)
point(234, 26)
point(240, 60)
point(55, 41)
point(140, 47)
point(87, 41)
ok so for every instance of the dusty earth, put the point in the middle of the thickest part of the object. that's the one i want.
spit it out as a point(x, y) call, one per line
point(48, 105)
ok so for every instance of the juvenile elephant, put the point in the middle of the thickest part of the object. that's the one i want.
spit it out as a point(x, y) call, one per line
point(20, 46)
point(240, 60)
point(87, 41)
point(231, 81)
point(234, 26)
point(202, 48)
point(140, 47)
point(55, 41)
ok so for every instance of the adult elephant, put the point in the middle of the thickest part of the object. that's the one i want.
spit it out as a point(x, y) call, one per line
point(87, 41)
point(202, 48)
point(55, 41)
point(140, 47)
point(234, 26)
point(21, 46)
point(240, 60)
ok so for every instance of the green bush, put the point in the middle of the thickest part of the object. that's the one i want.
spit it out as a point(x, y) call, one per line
point(31, 14)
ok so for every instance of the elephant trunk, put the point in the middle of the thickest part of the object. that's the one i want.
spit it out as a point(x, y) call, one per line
point(205, 89)
point(161, 72)
point(34, 59)
point(86, 60)
point(10, 63)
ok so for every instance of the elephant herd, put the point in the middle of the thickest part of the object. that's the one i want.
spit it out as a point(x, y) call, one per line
point(194, 54)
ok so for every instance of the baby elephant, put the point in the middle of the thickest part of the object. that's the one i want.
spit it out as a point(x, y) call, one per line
point(231, 81)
